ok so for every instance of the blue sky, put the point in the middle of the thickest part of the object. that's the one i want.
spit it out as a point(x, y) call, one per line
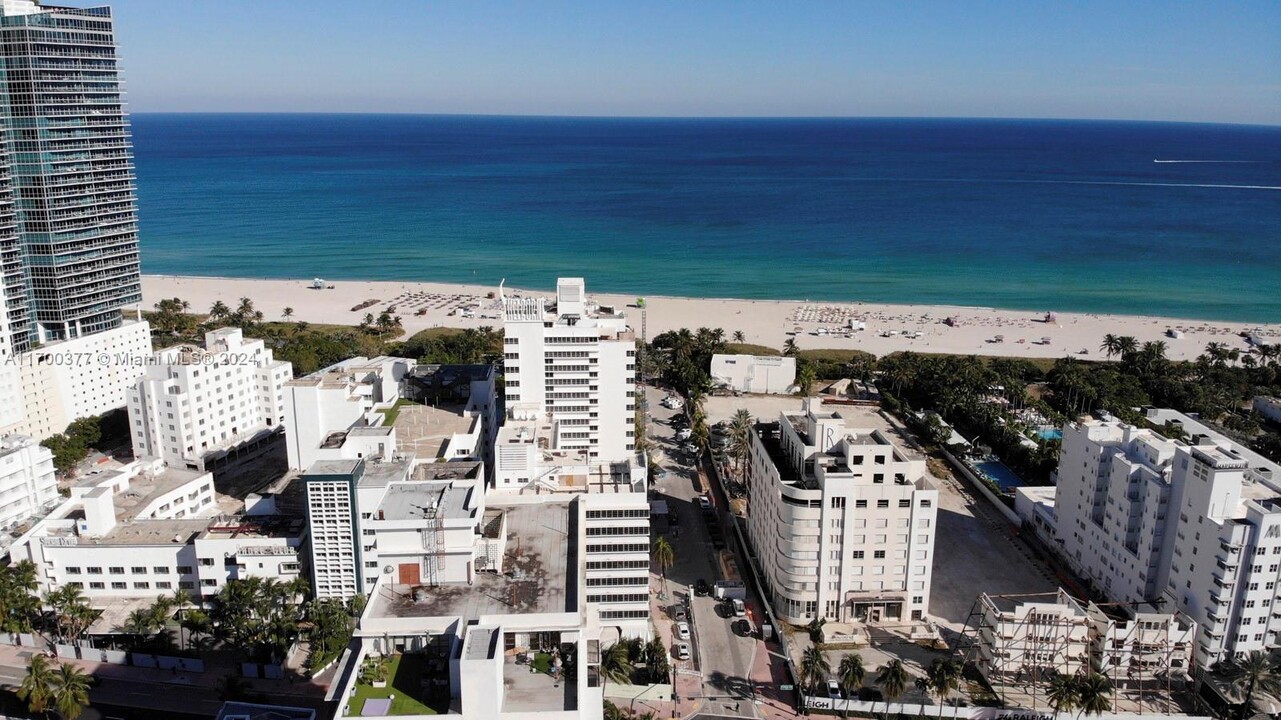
point(1156, 60)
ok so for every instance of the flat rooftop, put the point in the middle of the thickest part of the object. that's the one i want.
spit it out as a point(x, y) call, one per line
point(425, 429)
point(381, 473)
point(410, 501)
point(143, 489)
point(332, 467)
point(540, 539)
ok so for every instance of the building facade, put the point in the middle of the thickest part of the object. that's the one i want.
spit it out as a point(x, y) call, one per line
point(1196, 524)
point(193, 403)
point(754, 373)
point(27, 480)
point(842, 519)
point(572, 365)
point(69, 169)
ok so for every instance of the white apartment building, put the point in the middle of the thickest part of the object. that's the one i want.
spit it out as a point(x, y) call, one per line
point(321, 409)
point(1196, 523)
point(192, 404)
point(1039, 636)
point(146, 530)
point(754, 373)
point(88, 375)
point(572, 365)
point(27, 481)
point(842, 519)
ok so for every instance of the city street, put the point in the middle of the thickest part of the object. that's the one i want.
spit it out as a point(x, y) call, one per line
point(716, 681)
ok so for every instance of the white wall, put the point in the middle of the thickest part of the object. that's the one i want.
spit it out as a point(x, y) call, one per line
point(754, 373)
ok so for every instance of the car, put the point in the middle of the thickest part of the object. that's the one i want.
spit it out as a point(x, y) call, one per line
point(704, 503)
point(690, 448)
point(682, 651)
point(742, 627)
point(834, 690)
point(739, 608)
point(682, 630)
point(678, 613)
point(684, 434)
point(701, 588)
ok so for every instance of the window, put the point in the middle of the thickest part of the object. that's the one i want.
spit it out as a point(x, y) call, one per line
point(926, 503)
point(73, 570)
point(860, 503)
point(186, 584)
point(878, 554)
point(858, 554)
point(905, 503)
point(118, 585)
point(116, 570)
point(142, 586)
point(96, 586)
point(138, 570)
point(206, 562)
point(208, 583)
point(160, 570)
point(164, 585)
point(882, 503)
point(184, 570)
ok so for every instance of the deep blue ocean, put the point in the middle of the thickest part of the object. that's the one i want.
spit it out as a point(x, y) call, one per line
point(1040, 215)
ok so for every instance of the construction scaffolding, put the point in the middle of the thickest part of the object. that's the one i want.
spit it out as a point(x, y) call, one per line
point(434, 545)
point(1019, 643)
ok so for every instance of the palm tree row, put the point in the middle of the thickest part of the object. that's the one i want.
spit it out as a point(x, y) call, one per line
point(1088, 694)
point(258, 616)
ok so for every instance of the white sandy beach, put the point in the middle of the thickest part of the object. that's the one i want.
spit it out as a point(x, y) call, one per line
point(764, 322)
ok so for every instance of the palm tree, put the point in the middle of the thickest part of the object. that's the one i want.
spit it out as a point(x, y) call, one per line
point(38, 685)
point(739, 336)
point(219, 311)
point(814, 669)
point(789, 347)
point(288, 312)
point(850, 674)
point(943, 677)
point(1111, 345)
point(615, 665)
point(70, 691)
point(893, 679)
point(1063, 693)
point(664, 557)
point(1092, 694)
point(740, 438)
point(805, 378)
point(1255, 671)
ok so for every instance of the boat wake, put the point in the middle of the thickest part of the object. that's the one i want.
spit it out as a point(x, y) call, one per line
point(1228, 162)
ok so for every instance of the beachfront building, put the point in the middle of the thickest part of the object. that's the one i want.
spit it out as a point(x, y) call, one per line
point(27, 481)
point(193, 406)
point(841, 516)
point(1196, 523)
point(570, 364)
point(69, 231)
point(1020, 637)
point(146, 530)
point(754, 373)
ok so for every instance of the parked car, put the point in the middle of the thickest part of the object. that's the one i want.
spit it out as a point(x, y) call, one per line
point(682, 630)
point(682, 651)
point(684, 434)
point(678, 613)
point(739, 608)
point(834, 689)
point(701, 588)
point(704, 503)
point(742, 627)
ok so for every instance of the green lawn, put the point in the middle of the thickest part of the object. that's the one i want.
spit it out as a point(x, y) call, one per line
point(750, 349)
point(390, 415)
point(406, 673)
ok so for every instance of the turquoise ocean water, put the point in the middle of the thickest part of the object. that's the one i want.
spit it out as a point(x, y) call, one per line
point(1039, 215)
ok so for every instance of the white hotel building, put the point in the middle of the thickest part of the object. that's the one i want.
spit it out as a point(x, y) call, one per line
point(1197, 523)
point(842, 518)
point(27, 480)
point(192, 404)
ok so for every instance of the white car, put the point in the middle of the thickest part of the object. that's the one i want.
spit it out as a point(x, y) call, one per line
point(673, 403)
point(682, 651)
point(739, 609)
point(684, 435)
point(682, 630)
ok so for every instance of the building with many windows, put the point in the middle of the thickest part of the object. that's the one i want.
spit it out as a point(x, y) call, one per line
point(841, 517)
point(68, 210)
point(146, 530)
point(569, 365)
point(1196, 523)
point(194, 404)
point(27, 481)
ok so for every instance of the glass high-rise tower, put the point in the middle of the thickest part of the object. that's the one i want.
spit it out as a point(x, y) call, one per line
point(68, 208)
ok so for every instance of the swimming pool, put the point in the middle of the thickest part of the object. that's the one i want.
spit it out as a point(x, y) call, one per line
point(1051, 434)
point(998, 473)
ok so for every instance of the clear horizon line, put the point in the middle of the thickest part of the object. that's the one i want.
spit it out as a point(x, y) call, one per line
point(553, 116)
